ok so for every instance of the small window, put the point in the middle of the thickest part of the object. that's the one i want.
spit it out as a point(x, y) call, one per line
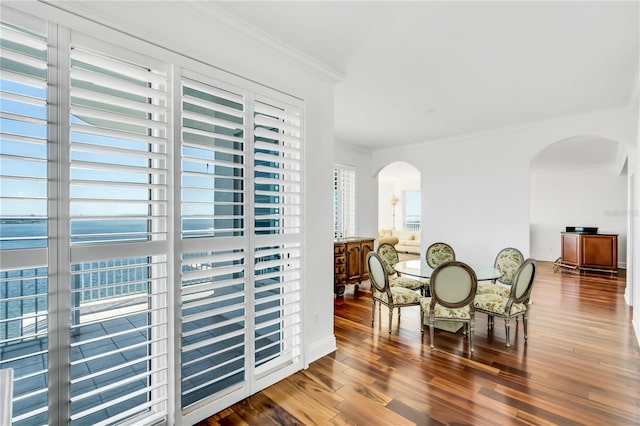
point(412, 210)
point(344, 202)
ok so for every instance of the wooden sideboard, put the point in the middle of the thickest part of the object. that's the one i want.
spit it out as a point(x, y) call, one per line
point(590, 252)
point(349, 260)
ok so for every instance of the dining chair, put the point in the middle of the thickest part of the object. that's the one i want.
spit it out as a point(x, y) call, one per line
point(513, 305)
point(453, 287)
point(438, 253)
point(383, 294)
point(507, 262)
point(390, 257)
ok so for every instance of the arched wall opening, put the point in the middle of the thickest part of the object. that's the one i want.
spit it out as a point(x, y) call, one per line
point(399, 205)
point(578, 181)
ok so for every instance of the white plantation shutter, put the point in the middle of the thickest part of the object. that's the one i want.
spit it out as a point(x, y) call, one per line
point(118, 218)
point(344, 202)
point(103, 291)
point(212, 161)
point(278, 238)
point(118, 149)
point(213, 323)
point(23, 240)
point(213, 267)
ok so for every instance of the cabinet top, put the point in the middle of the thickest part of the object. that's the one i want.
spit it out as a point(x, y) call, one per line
point(352, 239)
point(587, 233)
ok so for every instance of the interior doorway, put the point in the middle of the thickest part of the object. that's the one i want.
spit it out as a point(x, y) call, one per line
point(400, 205)
point(579, 181)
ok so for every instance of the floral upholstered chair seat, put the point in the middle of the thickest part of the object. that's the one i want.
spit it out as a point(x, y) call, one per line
point(491, 302)
point(400, 295)
point(408, 283)
point(444, 312)
point(390, 257)
point(494, 289)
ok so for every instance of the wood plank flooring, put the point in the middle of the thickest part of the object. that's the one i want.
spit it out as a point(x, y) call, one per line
point(580, 366)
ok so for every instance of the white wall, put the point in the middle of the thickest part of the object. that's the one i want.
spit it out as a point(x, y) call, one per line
point(576, 197)
point(366, 187)
point(475, 188)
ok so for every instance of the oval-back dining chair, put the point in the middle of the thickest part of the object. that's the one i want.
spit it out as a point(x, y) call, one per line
point(453, 287)
point(513, 305)
point(381, 291)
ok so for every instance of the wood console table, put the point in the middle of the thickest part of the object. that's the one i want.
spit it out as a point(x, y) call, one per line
point(589, 252)
point(349, 257)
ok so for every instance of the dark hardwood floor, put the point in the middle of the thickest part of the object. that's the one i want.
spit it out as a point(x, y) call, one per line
point(580, 366)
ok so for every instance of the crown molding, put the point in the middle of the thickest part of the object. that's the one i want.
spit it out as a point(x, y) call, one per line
point(207, 13)
point(210, 11)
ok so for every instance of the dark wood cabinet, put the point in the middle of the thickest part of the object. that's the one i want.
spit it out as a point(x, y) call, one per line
point(595, 252)
point(349, 258)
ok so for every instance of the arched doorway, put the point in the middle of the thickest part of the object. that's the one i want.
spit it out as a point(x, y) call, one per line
point(399, 205)
point(578, 181)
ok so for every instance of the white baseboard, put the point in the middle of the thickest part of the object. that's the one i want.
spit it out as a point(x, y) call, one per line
point(319, 349)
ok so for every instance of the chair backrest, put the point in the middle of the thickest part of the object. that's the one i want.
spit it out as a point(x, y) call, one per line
point(377, 272)
point(507, 262)
point(389, 256)
point(523, 281)
point(453, 285)
point(438, 253)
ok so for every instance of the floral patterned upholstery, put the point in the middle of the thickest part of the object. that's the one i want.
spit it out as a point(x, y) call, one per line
point(491, 302)
point(508, 261)
point(410, 283)
point(400, 295)
point(444, 312)
point(389, 255)
point(438, 253)
point(498, 289)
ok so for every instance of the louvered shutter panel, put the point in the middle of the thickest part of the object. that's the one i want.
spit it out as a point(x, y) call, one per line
point(213, 269)
point(344, 202)
point(278, 237)
point(118, 213)
point(23, 211)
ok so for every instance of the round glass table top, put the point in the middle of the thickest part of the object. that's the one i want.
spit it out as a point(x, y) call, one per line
point(419, 268)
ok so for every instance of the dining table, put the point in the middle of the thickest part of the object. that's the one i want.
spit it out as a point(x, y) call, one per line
point(420, 269)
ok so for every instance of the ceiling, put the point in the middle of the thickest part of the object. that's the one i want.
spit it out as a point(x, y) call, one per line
point(419, 71)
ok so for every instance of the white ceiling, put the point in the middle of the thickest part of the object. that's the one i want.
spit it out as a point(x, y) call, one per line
point(418, 71)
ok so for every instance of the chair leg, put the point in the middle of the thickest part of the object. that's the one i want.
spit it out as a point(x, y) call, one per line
point(373, 311)
point(391, 317)
point(506, 331)
point(431, 327)
point(524, 325)
point(465, 329)
point(471, 327)
point(432, 322)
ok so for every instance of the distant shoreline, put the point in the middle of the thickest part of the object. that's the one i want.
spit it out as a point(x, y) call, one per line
point(23, 220)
